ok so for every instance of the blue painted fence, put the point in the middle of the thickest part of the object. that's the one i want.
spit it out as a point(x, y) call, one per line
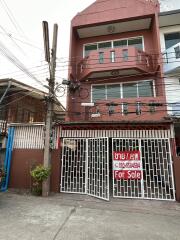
point(7, 162)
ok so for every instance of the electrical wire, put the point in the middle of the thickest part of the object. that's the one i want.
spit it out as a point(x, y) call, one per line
point(20, 71)
point(114, 65)
point(14, 42)
point(27, 42)
point(10, 35)
point(11, 17)
point(12, 58)
point(155, 56)
point(103, 112)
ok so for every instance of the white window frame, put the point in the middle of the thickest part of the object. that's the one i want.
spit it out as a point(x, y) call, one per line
point(112, 45)
point(121, 88)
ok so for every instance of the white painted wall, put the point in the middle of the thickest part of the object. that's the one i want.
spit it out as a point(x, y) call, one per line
point(172, 86)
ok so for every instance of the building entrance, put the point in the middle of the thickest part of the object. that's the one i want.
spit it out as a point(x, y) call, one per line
point(85, 167)
point(129, 168)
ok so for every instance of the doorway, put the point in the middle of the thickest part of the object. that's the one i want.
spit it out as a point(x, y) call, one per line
point(145, 170)
point(85, 167)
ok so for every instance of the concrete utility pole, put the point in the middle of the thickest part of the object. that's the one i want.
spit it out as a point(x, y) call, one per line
point(51, 59)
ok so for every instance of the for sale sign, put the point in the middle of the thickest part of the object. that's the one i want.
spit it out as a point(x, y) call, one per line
point(127, 155)
point(127, 165)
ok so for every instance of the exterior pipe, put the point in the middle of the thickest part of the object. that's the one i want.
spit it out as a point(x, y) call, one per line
point(7, 163)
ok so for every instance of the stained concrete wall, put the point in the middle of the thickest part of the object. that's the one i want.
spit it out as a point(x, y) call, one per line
point(23, 160)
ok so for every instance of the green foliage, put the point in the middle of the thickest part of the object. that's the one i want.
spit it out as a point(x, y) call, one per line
point(40, 173)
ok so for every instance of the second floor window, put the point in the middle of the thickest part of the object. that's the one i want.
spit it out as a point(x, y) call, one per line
point(123, 90)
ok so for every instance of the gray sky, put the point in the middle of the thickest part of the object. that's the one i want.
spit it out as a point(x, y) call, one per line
point(28, 16)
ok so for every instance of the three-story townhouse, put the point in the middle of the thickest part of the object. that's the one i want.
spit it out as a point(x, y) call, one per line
point(117, 139)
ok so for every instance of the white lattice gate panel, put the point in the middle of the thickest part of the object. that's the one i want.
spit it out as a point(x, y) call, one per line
point(158, 173)
point(73, 166)
point(98, 168)
point(123, 187)
point(29, 137)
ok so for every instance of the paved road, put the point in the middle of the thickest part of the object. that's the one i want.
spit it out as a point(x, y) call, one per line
point(75, 217)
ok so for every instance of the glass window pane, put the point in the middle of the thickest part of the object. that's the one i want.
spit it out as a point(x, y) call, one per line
point(171, 39)
point(120, 43)
point(98, 93)
point(125, 54)
point(129, 90)
point(104, 45)
point(145, 89)
point(89, 48)
point(101, 57)
point(112, 56)
point(136, 42)
point(113, 91)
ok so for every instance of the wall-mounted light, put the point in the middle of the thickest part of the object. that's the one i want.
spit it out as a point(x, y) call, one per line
point(97, 114)
point(87, 104)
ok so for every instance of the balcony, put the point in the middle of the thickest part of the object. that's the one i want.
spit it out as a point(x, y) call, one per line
point(115, 62)
point(171, 58)
point(130, 109)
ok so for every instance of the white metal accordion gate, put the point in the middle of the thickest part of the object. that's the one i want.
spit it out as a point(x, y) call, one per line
point(141, 167)
point(85, 167)
point(150, 176)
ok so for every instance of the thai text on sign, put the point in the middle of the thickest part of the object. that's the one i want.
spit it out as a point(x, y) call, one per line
point(127, 165)
point(127, 155)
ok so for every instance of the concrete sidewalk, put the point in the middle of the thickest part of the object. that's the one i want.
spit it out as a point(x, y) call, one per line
point(75, 217)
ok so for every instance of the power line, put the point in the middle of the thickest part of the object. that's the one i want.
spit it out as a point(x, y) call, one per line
point(20, 71)
point(12, 58)
point(100, 65)
point(11, 17)
point(106, 112)
point(14, 42)
point(158, 55)
point(10, 35)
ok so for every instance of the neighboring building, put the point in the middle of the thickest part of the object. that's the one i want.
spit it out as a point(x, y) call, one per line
point(21, 103)
point(117, 138)
point(24, 108)
point(170, 47)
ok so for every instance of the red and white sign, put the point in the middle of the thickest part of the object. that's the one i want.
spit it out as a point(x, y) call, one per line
point(128, 175)
point(127, 165)
point(127, 155)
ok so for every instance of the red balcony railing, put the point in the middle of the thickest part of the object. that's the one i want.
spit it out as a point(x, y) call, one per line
point(127, 109)
point(114, 62)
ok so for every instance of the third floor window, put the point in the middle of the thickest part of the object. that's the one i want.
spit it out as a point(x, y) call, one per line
point(172, 39)
point(99, 46)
